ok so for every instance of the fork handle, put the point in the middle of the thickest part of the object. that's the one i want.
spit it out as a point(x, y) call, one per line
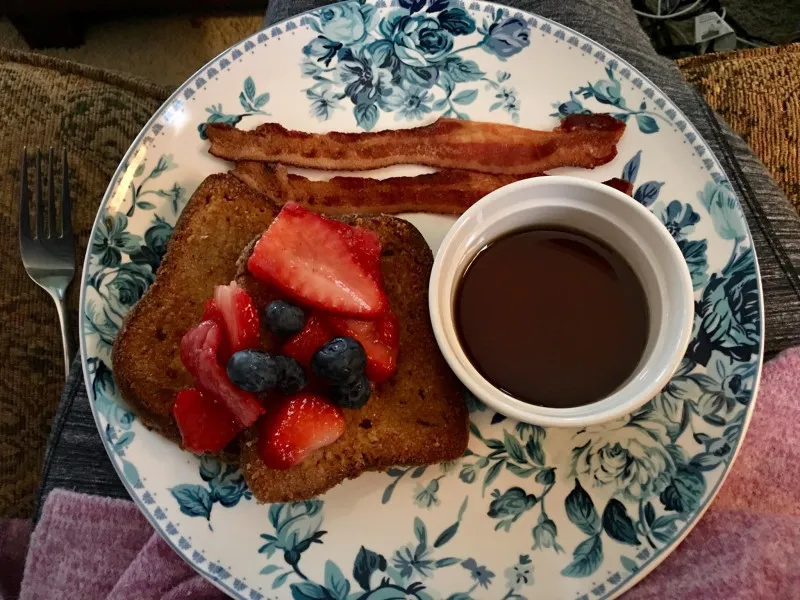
point(66, 341)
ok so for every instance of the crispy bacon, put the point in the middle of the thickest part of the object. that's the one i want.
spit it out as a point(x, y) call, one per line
point(449, 191)
point(623, 185)
point(579, 141)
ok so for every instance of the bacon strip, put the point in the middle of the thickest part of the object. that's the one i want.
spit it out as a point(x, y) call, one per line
point(623, 185)
point(449, 192)
point(579, 141)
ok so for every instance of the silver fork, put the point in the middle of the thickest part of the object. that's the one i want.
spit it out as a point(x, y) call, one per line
point(49, 257)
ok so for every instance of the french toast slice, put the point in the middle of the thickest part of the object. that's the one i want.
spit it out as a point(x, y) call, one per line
point(220, 219)
point(417, 417)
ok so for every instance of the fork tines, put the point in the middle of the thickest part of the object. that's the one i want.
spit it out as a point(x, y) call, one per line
point(52, 230)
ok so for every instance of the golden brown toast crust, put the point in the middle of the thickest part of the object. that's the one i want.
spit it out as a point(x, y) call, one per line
point(220, 219)
point(417, 417)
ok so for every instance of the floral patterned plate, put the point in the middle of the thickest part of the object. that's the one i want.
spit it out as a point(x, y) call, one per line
point(527, 512)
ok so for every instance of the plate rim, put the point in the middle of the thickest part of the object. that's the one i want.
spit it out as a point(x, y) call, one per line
point(635, 577)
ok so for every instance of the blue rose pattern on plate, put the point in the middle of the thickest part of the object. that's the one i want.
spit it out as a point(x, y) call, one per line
point(117, 432)
point(597, 505)
point(249, 99)
point(406, 62)
point(609, 92)
point(224, 485)
point(120, 283)
point(399, 573)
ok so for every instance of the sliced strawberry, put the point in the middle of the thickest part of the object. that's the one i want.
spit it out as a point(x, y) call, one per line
point(299, 425)
point(211, 312)
point(239, 314)
point(205, 425)
point(302, 346)
point(380, 339)
point(199, 348)
point(311, 259)
point(365, 246)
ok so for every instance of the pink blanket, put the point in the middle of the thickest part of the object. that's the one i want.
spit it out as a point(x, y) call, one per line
point(747, 545)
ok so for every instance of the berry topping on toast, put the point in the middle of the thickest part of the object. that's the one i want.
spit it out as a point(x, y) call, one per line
point(199, 355)
point(341, 360)
point(254, 371)
point(284, 319)
point(365, 246)
point(205, 425)
point(351, 394)
point(321, 263)
point(379, 338)
point(302, 346)
point(211, 312)
point(242, 327)
point(299, 425)
point(292, 377)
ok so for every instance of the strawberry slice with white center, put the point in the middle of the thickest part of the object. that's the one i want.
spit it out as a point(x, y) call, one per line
point(380, 339)
point(242, 326)
point(205, 425)
point(297, 427)
point(199, 348)
point(320, 263)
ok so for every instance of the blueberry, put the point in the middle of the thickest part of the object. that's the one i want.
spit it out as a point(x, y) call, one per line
point(292, 377)
point(341, 360)
point(284, 318)
point(353, 394)
point(253, 371)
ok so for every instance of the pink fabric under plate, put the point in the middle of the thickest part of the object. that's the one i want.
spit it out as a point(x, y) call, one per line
point(747, 546)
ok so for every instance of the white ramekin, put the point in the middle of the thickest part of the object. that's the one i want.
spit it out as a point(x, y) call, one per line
point(605, 214)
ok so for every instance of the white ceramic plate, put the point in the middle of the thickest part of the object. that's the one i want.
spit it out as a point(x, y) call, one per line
point(528, 512)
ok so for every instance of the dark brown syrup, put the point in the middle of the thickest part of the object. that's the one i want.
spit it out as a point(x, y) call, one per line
point(552, 317)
